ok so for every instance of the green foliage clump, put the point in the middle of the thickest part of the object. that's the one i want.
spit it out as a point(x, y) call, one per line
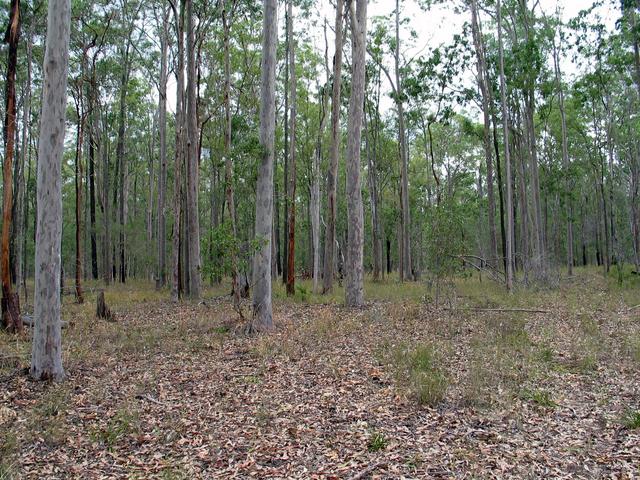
point(377, 441)
point(444, 247)
point(631, 419)
point(542, 398)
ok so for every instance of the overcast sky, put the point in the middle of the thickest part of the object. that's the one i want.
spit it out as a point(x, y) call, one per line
point(433, 28)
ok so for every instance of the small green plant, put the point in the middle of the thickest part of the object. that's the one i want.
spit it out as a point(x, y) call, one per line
point(376, 442)
point(541, 398)
point(631, 419)
point(546, 354)
point(301, 293)
point(122, 424)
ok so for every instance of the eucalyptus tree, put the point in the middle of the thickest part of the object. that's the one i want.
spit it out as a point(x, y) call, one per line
point(46, 354)
point(262, 310)
point(332, 173)
point(354, 285)
point(10, 300)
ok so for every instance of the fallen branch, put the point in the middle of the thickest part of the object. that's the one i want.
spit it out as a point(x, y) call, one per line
point(631, 309)
point(28, 321)
point(367, 471)
point(478, 309)
point(150, 399)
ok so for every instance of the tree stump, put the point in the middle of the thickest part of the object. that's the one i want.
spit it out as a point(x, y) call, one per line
point(102, 310)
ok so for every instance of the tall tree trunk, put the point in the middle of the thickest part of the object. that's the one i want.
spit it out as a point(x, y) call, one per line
point(262, 311)
point(10, 301)
point(507, 157)
point(107, 216)
point(193, 219)
point(291, 187)
point(317, 159)
point(405, 260)
point(179, 156)
point(21, 217)
point(354, 284)
point(122, 162)
point(228, 164)
point(46, 353)
point(565, 159)
point(285, 185)
point(78, 185)
point(332, 174)
point(483, 83)
point(92, 90)
point(161, 279)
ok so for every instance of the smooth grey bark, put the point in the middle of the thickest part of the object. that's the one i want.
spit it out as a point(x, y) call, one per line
point(354, 280)
point(161, 279)
point(193, 218)
point(46, 353)
point(332, 174)
point(262, 311)
point(507, 156)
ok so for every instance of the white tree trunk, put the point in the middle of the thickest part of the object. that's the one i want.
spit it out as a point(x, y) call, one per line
point(46, 355)
point(262, 312)
point(354, 284)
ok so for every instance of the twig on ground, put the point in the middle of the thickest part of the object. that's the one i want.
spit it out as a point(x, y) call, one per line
point(478, 309)
point(367, 471)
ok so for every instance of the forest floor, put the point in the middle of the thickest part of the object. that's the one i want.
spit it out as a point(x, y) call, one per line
point(398, 389)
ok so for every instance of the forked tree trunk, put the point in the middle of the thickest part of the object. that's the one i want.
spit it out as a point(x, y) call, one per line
point(10, 300)
point(262, 312)
point(354, 283)
point(46, 353)
point(193, 219)
point(332, 174)
point(291, 187)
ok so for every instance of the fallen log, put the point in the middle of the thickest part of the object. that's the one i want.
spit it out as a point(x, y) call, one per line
point(29, 322)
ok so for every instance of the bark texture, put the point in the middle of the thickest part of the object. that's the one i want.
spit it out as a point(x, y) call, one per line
point(354, 283)
point(262, 311)
point(46, 354)
point(332, 174)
